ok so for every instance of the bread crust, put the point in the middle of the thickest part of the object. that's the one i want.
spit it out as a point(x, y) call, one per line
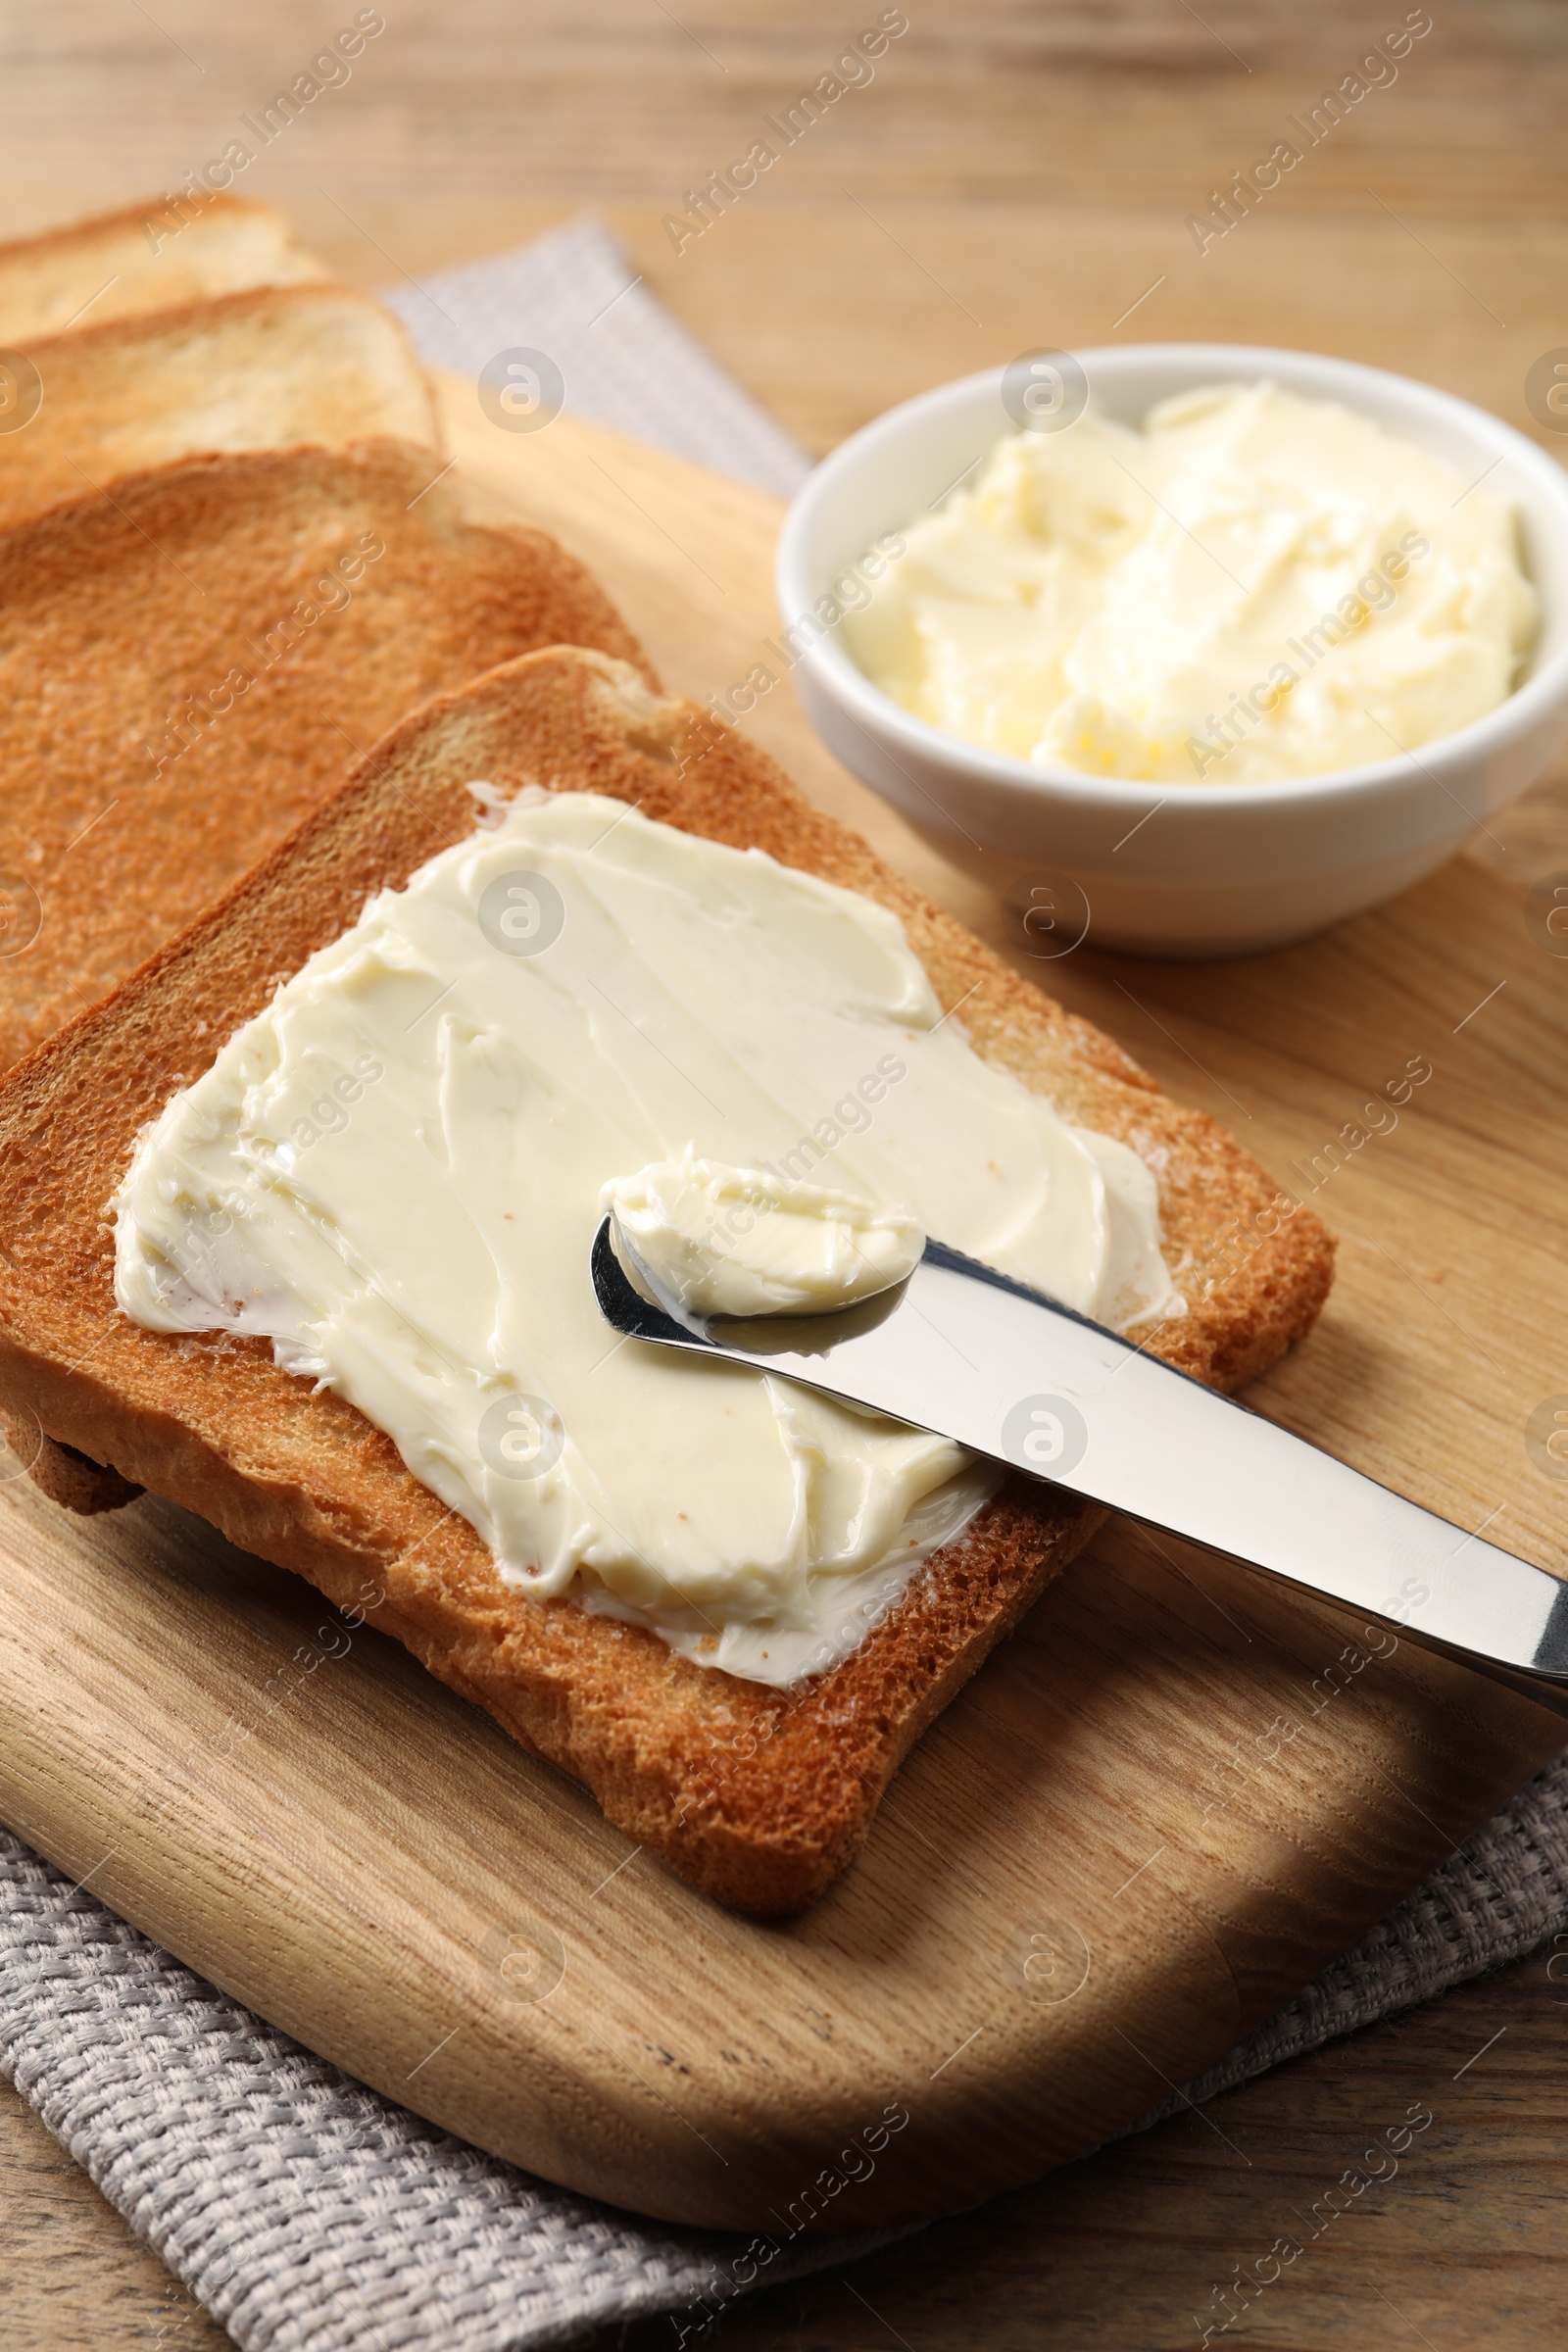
point(755, 1796)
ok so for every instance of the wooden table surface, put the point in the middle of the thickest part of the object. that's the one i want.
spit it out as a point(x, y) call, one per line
point(1014, 175)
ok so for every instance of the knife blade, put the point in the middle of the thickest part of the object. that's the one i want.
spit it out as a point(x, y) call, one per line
point(1001, 1369)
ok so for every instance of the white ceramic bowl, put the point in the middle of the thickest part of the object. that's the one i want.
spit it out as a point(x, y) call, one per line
point(1216, 869)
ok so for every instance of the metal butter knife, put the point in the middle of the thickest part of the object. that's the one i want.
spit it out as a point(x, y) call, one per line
point(971, 1356)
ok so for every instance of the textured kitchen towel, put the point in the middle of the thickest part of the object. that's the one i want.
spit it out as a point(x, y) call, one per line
point(575, 301)
point(307, 2213)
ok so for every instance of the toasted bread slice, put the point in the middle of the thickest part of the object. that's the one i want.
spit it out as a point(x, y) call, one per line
point(270, 368)
point(190, 664)
point(757, 1795)
point(151, 257)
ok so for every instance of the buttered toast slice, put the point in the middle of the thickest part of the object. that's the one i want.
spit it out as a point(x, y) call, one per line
point(270, 368)
point(756, 1794)
point(149, 256)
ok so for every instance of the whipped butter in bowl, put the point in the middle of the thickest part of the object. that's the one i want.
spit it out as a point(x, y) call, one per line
point(395, 1173)
point(1237, 642)
point(1250, 586)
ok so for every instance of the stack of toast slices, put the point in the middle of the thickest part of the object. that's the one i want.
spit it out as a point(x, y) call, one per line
point(251, 664)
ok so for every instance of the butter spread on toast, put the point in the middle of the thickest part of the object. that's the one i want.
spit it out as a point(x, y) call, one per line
point(394, 1172)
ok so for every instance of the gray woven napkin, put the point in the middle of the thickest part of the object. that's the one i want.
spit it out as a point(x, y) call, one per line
point(306, 2213)
point(610, 351)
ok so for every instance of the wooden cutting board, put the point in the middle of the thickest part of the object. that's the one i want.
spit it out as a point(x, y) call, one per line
point(1170, 1799)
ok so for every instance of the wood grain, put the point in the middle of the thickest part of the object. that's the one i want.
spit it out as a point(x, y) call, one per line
point(1125, 2253)
point(1016, 174)
point(72, 2277)
point(1037, 161)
